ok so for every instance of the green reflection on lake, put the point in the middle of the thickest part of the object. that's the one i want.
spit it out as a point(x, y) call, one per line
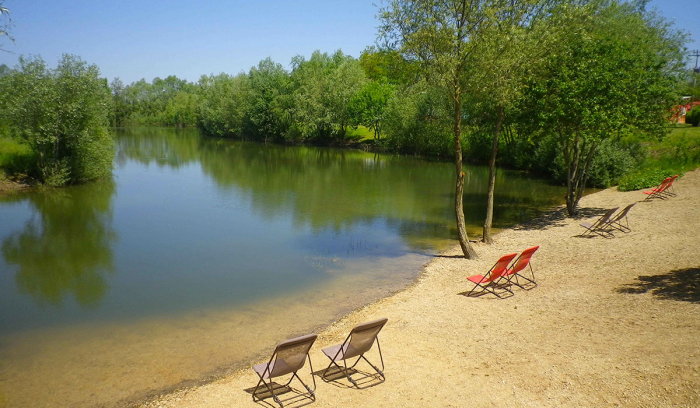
point(65, 250)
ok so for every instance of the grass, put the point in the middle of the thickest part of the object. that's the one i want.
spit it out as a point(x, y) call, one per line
point(677, 153)
point(360, 134)
point(14, 156)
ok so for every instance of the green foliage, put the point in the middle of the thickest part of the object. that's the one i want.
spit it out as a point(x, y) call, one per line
point(417, 121)
point(15, 157)
point(612, 68)
point(62, 115)
point(645, 178)
point(270, 86)
point(693, 117)
point(323, 88)
point(225, 103)
point(675, 154)
point(369, 104)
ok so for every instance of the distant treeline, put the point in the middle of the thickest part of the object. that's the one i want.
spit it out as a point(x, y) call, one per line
point(609, 72)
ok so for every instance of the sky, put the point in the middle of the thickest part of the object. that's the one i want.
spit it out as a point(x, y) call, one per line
point(135, 39)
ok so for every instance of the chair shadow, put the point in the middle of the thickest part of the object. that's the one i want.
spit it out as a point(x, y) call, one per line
point(558, 217)
point(295, 399)
point(333, 376)
point(479, 294)
point(681, 285)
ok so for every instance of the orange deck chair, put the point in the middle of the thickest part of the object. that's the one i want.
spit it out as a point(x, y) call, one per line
point(519, 265)
point(489, 281)
point(660, 191)
point(288, 358)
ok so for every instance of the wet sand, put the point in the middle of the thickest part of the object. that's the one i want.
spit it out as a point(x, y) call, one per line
point(613, 322)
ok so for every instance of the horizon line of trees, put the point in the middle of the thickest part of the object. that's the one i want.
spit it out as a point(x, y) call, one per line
point(560, 87)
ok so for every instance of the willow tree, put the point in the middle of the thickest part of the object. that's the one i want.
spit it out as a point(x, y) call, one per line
point(441, 36)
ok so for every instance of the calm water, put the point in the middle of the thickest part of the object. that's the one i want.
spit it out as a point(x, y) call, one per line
point(200, 254)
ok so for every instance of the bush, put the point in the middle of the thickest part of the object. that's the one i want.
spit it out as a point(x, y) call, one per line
point(693, 117)
point(645, 178)
point(62, 115)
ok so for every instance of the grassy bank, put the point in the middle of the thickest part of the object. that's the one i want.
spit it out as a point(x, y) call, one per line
point(677, 153)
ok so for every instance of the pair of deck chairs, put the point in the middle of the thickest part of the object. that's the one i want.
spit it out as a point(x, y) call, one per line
point(663, 191)
point(608, 223)
point(503, 274)
point(290, 355)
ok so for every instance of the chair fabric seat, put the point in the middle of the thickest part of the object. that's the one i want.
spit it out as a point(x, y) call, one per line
point(476, 278)
point(278, 366)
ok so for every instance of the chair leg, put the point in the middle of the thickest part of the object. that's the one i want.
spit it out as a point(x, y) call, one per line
point(270, 389)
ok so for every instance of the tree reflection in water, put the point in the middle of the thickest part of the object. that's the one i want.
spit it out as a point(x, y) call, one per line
point(66, 248)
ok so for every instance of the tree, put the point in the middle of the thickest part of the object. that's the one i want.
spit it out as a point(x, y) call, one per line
point(440, 36)
point(5, 24)
point(269, 82)
point(63, 115)
point(369, 104)
point(224, 106)
point(506, 53)
point(323, 87)
point(615, 69)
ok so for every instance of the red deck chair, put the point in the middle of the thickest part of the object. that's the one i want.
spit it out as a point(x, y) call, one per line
point(658, 192)
point(489, 282)
point(669, 191)
point(522, 262)
point(288, 358)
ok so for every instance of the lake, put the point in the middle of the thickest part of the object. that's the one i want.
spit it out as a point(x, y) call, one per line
point(200, 254)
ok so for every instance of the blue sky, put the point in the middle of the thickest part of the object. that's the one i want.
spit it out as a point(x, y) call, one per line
point(156, 38)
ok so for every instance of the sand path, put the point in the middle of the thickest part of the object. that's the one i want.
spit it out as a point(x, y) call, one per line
point(613, 322)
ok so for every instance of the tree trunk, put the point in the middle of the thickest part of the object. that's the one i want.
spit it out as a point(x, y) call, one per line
point(492, 178)
point(467, 249)
point(578, 166)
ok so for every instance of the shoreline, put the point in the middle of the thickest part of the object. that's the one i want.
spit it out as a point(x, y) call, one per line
point(579, 339)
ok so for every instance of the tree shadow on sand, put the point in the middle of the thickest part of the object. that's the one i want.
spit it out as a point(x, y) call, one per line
point(557, 218)
point(681, 284)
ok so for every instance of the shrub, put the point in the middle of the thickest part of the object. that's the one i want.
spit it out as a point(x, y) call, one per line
point(644, 178)
point(693, 117)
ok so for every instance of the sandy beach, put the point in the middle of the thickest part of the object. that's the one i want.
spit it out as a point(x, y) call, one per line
point(613, 322)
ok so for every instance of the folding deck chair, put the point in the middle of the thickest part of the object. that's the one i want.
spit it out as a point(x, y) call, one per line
point(599, 227)
point(661, 190)
point(669, 191)
point(358, 342)
point(520, 263)
point(619, 220)
point(288, 358)
point(489, 282)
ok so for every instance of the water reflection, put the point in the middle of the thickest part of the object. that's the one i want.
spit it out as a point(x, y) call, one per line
point(65, 249)
point(336, 189)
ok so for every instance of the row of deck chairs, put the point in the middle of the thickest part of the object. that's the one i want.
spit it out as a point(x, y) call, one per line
point(663, 191)
point(608, 223)
point(503, 274)
point(290, 355)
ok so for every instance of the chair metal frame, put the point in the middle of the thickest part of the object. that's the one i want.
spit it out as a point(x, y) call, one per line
point(345, 346)
point(269, 370)
point(512, 272)
point(598, 227)
point(616, 221)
